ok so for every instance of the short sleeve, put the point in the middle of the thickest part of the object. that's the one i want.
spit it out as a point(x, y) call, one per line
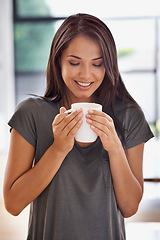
point(137, 129)
point(24, 120)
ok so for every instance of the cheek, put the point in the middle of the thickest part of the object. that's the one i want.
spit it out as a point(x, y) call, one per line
point(63, 72)
point(100, 75)
point(103, 74)
point(65, 76)
point(67, 73)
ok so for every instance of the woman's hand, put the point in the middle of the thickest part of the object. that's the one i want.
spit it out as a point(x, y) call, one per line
point(128, 183)
point(25, 183)
point(103, 125)
point(64, 128)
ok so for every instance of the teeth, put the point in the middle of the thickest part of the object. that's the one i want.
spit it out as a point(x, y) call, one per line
point(84, 84)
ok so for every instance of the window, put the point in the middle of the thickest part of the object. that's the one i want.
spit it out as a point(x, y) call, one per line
point(136, 37)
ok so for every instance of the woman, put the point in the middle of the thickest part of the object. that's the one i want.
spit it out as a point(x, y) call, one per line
point(77, 190)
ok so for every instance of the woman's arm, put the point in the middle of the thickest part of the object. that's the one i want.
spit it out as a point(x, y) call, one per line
point(126, 168)
point(127, 178)
point(23, 183)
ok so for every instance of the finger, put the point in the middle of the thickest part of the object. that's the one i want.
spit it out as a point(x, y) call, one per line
point(59, 117)
point(99, 132)
point(99, 113)
point(62, 109)
point(99, 125)
point(70, 116)
point(64, 121)
point(99, 121)
point(75, 128)
point(100, 117)
point(71, 120)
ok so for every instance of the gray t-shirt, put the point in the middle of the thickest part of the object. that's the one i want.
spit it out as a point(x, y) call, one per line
point(79, 203)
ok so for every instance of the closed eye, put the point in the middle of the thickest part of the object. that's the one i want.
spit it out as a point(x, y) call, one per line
point(98, 65)
point(73, 64)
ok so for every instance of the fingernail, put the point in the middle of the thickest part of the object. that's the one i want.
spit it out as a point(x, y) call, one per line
point(79, 110)
point(90, 111)
point(80, 115)
point(80, 121)
point(89, 120)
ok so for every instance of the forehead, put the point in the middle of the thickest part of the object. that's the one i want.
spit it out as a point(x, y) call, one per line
point(82, 47)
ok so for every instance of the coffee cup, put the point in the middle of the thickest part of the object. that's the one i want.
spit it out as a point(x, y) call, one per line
point(85, 133)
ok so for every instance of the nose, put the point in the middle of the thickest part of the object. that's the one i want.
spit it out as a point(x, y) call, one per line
point(85, 72)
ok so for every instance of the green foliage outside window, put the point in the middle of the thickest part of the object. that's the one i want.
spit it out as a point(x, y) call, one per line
point(29, 8)
point(32, 45)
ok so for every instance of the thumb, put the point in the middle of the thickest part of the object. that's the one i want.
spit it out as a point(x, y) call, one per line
point(59, 117)
point(62, 109)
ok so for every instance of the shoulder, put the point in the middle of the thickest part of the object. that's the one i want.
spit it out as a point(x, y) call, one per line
point(128, 111)
point(30, 103)
point(136, 128)
point(34, 111)
point(35, 104)
point(30, 115)
point(27, 104)
point(131, 117)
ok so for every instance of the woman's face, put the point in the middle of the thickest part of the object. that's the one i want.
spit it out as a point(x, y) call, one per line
point(82, 68)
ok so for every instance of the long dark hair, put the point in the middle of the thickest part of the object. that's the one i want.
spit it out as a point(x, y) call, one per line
point(112, 87)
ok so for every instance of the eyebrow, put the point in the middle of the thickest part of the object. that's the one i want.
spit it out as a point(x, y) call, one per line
point(80, 58)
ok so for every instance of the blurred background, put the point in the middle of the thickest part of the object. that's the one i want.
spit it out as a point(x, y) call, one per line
point(26, 31)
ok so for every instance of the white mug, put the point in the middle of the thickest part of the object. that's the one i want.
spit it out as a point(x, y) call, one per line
point(85, 133)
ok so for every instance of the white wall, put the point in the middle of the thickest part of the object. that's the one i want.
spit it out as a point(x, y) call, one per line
point(7, 93)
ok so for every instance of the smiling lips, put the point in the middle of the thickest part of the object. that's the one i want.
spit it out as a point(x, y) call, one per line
point(84, 84)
